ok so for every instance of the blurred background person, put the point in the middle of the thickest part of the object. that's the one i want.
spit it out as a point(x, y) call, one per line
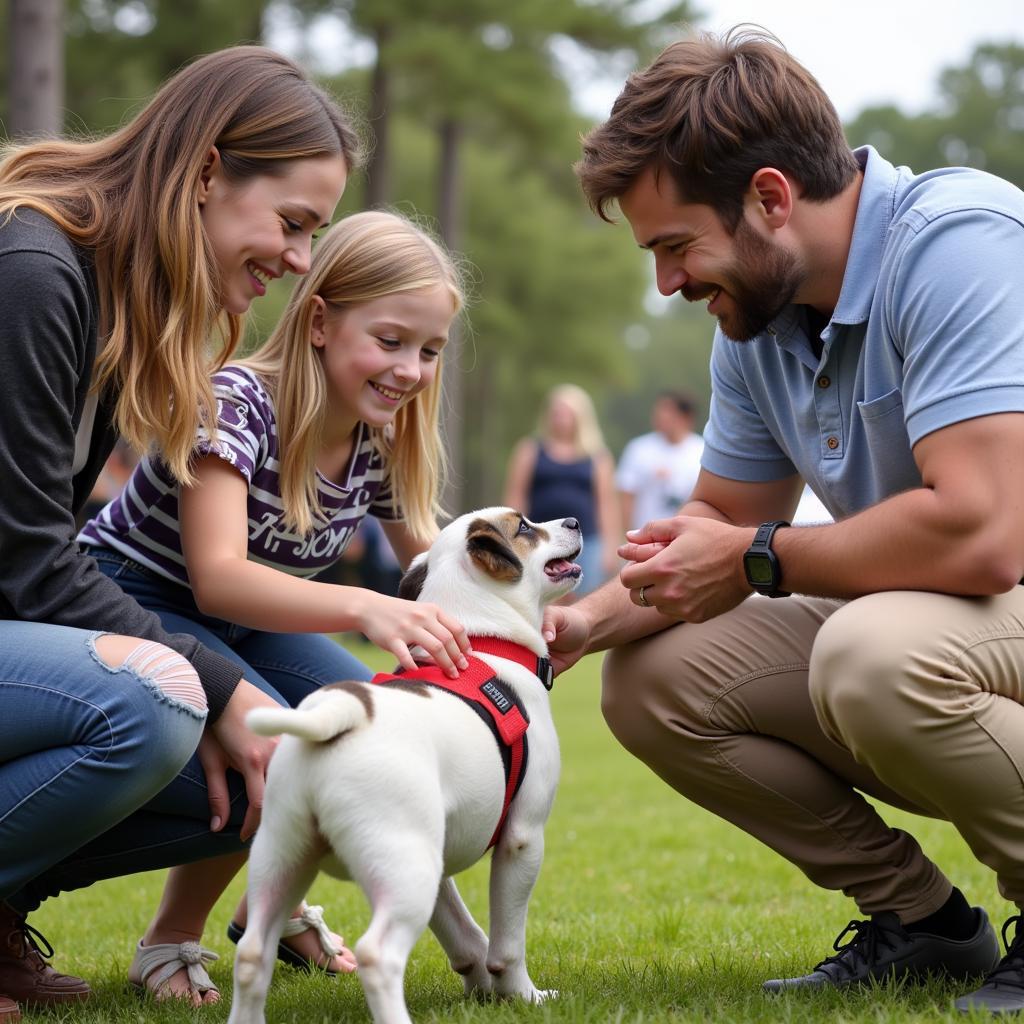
point(566, 470)
point(657, 471)
point(377, 564)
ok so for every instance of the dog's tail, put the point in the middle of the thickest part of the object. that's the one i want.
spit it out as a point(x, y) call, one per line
point(322, 716)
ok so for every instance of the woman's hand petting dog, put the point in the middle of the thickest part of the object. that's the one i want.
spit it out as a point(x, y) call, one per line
point(396, 625)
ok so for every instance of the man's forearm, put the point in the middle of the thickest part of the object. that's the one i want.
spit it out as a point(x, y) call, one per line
point(904, 543)
point(614, 619)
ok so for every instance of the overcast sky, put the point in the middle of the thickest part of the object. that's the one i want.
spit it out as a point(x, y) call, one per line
point(865, 52)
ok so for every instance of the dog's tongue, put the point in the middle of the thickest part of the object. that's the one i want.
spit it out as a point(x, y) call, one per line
point(558, 567)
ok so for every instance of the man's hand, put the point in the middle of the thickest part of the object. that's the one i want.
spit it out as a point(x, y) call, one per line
point(690, 567)
point(229, 743)
point(566, 631)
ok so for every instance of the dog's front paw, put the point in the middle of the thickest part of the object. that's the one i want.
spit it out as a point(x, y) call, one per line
point(525, 990)
point(477, 981)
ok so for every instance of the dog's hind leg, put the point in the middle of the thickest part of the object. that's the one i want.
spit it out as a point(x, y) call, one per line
point(275, 887)
point(515, 866)
point(461, 938)
point(401, 886)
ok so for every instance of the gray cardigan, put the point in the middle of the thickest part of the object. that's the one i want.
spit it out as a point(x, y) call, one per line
point(48, 328)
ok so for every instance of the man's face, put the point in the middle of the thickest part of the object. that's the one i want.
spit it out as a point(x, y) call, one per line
point(747, 278)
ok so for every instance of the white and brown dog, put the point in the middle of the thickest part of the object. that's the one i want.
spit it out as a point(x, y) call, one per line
point(398, 787)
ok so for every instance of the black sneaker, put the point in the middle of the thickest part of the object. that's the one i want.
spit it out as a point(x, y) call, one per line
point(1003, 991)
point(881, 949)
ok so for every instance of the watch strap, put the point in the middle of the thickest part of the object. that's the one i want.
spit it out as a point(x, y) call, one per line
point(761, 545)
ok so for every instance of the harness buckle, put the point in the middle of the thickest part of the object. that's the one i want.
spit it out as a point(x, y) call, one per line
point(546, 672)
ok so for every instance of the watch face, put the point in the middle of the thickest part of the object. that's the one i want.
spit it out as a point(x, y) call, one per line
point(759, 570)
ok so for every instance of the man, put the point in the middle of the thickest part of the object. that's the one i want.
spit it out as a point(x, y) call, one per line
point(657, 471)
point(870, 341)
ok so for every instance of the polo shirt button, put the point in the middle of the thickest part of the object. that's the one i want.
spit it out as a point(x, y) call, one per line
point(823, 381)
point(833, 443)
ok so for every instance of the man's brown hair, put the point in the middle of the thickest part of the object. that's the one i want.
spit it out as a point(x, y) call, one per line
point(711, 111)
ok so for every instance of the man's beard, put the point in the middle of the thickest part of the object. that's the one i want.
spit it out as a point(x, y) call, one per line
point(761, 282)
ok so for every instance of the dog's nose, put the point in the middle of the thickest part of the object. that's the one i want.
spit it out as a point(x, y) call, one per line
point(571, 524)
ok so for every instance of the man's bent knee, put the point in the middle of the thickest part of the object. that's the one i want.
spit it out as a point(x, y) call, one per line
point(158, 665)
point(858, 656)
point(615, 694)
point(633, 699)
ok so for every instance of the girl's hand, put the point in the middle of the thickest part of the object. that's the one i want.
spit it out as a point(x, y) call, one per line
point(396, 625)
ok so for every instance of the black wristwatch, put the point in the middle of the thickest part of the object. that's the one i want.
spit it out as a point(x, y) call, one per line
point(761, 564)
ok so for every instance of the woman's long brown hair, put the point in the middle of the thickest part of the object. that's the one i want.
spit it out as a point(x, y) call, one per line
point(130, 200)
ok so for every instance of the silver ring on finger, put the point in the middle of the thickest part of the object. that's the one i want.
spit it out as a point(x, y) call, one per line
point(643, 597)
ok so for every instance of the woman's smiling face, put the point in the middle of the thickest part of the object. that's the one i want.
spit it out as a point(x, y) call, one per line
point(263, 227)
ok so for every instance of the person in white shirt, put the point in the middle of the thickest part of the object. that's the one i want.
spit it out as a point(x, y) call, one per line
point(657, 471)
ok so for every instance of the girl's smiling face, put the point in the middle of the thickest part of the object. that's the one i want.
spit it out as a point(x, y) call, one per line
point(263, 227)
point(378, 355)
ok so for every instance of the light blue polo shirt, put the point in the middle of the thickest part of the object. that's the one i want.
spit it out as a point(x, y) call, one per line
point(928, 331)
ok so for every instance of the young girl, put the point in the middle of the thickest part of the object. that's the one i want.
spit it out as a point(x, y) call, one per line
point(566, 469)
point(119, 258)
point(336, 417)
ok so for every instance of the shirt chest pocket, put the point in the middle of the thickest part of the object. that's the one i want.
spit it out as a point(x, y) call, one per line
point(886, 443)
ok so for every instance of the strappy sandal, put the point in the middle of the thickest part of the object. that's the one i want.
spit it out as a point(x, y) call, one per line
point(153, 966)
point(311, 918)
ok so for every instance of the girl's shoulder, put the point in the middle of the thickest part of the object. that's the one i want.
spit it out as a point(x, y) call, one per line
point(236, 375)
point(240, 382)
point(242, 393)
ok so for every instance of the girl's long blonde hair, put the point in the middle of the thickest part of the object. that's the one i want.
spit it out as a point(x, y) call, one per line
point(131, 199)
point(587, 436)
point(363, 257)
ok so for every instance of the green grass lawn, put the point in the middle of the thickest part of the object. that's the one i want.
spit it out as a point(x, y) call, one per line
point(647, 909)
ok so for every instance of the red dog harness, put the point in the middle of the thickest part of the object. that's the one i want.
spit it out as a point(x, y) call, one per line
point(502, 711)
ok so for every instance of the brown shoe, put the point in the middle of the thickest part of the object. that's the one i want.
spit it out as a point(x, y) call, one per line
point(9, 1012)
point(25, 975)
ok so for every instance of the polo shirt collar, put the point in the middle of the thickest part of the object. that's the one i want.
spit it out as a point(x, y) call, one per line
point(875, 208)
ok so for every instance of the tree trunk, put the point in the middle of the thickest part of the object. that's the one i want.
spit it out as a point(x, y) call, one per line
point(378, 166)
point(448, 210)
point(36, 63)
point(255, 33)
point(448, 206)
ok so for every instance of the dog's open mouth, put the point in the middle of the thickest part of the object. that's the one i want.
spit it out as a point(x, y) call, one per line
point(563, 568)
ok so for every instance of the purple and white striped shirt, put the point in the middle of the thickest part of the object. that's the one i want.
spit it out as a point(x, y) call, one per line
point(143, 521)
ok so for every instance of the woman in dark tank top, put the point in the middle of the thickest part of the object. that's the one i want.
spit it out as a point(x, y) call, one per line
point(566, 470)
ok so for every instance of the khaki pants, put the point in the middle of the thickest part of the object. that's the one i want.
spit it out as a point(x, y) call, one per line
point(774, 715)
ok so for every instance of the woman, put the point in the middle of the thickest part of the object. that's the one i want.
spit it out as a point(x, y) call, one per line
point(566, 470)
point(119, 258)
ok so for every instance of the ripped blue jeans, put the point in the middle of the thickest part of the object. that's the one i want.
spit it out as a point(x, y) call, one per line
point(98, 772)
point(82, 746)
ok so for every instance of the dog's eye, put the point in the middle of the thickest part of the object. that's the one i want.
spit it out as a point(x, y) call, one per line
point(524, 527)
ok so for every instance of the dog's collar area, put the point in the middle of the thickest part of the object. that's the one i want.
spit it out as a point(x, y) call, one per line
point(540, 667)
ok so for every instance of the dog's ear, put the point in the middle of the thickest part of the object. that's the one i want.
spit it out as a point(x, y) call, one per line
point(488, 547)
point(415, 576)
